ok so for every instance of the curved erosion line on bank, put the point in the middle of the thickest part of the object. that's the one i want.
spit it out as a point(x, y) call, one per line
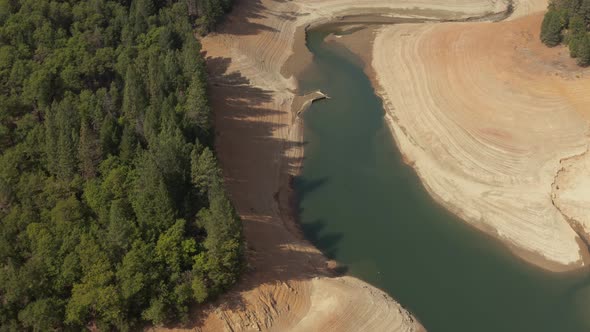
point(413, 137)
point(377, 20)
point(272, 94)
point(301, 103)
point(576, 225)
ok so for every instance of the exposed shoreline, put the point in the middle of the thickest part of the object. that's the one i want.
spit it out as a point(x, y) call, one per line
point(553, 255)
point(260, 149)
point(361, 43)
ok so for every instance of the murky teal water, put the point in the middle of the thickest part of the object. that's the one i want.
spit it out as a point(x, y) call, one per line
point(364, 207)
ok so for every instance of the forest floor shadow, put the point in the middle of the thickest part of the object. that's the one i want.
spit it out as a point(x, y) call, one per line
point(255, 168)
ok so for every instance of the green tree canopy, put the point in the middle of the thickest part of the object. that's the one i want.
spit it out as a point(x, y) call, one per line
point(583, 51)
point(551, 28)
point(110, 214)
point(568, 21)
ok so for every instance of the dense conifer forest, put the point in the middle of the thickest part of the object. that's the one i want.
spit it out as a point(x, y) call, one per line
point(112, 208)
point(568, 21)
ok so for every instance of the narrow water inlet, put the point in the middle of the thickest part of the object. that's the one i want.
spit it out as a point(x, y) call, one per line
point(361, 205)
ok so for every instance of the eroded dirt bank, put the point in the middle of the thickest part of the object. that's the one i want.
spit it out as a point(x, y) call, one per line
point(289, 285)
point(488, 117)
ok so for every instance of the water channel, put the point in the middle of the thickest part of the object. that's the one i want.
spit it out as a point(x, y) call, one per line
point(362, 206)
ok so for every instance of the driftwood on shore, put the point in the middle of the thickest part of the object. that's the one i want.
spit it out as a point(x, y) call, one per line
point(302, 103)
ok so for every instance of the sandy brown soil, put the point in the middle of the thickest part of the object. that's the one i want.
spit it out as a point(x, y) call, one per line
point(571, 193)
point(289, 284)
point(488, 116)
point(494, 123)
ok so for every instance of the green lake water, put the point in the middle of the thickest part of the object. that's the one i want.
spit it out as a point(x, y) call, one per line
point(361, 205)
